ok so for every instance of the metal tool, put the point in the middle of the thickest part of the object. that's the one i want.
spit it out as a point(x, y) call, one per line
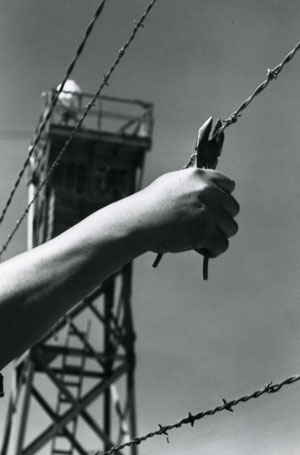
point(208, 149)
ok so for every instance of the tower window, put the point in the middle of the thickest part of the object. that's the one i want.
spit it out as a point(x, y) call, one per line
point(72, 177)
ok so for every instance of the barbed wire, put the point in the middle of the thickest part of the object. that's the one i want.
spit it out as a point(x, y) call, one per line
point(106, 78)
point(233, 118)
point(192, 418)
point(272, 74)
point(43, 123)
point(270, 387)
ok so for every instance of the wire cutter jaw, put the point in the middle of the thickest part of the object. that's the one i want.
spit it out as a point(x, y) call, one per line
point(209, 149)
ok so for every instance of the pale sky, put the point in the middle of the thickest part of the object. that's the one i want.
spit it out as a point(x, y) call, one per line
point(197, 342)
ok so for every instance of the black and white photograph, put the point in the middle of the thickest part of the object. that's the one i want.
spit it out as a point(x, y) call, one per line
point(149, 227)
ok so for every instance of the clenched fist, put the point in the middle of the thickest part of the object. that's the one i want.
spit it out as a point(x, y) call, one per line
point(191, 209)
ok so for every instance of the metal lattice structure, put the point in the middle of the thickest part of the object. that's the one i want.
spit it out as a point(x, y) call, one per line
point(81, 374)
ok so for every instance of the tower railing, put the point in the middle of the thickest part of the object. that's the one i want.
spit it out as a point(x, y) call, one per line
point(109, 113)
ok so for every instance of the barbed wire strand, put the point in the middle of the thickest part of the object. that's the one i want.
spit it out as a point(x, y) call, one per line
point(272, 74)
point(227, 405)
point(191, 419)
point(43, 124)
point(269, 388)
point(106, 78)
point(233, 118)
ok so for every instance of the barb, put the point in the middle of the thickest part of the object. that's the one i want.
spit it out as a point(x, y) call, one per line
point(121, 53)
point(191, 419)
point(271, 75)
point(42, 125)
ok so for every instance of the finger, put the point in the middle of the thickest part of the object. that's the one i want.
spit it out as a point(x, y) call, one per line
point(227, 225)
point(227, 203)
point(220, 179)
point(217, 245)
point(219, 200)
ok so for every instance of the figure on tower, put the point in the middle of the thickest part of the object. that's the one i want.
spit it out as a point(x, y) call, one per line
point(69, 99)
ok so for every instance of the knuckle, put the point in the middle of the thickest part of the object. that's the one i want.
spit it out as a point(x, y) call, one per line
point(225, 245)
point(231, 206)
point(197, 172)
point(219, 247)
point(233, 228)
point(205, 193)
point(229, 184)
point(222, 247)
point(236, 208)
point(232, 185)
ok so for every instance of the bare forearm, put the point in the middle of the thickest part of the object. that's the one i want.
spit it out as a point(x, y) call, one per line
point(39, 286)
point(184, 210)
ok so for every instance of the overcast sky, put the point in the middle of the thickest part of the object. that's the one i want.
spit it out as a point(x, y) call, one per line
point(197, 342)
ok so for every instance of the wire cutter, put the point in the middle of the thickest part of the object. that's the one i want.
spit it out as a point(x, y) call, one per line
point(208, 149)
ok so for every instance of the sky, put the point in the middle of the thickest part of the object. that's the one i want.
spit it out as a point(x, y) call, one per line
point(198, 342)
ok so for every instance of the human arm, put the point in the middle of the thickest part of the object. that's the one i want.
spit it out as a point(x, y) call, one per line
point(180, 211)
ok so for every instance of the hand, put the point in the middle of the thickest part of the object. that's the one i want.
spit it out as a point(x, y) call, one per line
point(190, 209)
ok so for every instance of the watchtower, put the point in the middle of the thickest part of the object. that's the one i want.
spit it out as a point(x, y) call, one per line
point(79, 379)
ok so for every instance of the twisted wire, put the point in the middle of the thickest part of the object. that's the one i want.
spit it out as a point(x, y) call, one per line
point(106, 78)
point(272, 74)
point(269, 388)
point(42, 124)
point(192, 418)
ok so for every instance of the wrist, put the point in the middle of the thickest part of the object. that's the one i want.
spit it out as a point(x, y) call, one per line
point(131, 223)
point(118, 229)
